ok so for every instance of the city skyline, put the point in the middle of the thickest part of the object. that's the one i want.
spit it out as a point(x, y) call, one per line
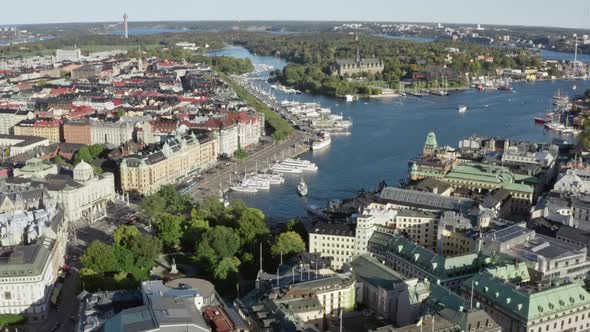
point(503, 12)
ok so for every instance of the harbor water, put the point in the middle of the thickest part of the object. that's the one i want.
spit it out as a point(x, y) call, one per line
point(387, 132)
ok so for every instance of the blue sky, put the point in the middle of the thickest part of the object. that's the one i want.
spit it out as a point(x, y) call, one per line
point(568, 13)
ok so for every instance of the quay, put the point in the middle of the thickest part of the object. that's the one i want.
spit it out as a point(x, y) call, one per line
point(217, 180)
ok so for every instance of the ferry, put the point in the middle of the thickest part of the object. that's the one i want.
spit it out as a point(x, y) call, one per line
point(256, 184)
point(270, 178)
point(324, 139)
point(243, 189)
point(304, 165)
point(285, 169)
point(302, 188)
point(462, 108)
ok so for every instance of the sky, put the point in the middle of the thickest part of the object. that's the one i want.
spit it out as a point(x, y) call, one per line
point(564, 13)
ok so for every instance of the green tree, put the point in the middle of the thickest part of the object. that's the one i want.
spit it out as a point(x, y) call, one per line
point(146, 249)
point(175, 202)
point(218, 244)
point(227, 266)
point(152, 206)
point(288, 243)
point(99, 257)
point(169, 229)
point(252, 226)
point(124, 234)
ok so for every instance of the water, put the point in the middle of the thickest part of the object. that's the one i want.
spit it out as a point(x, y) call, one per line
point(386, 133)
point(409, 38)
point(553, 55)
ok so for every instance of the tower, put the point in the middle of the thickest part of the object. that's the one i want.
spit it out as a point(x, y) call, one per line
point(358, 49)
point(125, 26)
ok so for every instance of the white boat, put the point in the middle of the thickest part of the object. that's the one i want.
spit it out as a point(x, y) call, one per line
point(243, 189)
point(462, 108)
point(302, 188)
point(285, 169)
point(257, 184)
point(270, 178)
point(349, 97)
point(324, 139)
point(304, 165)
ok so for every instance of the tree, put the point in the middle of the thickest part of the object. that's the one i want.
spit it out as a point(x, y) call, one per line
point(99, 257)
point(298, 227)
point(152, 206)
point(146, 249)
point(288, 243)
point(218, 244)
point(227, 266)
point(175, 202)
point(169, 229)
point(124, 234)
point(251, 226)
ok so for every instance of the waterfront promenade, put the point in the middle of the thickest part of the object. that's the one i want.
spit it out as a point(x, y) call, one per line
point(217, 180)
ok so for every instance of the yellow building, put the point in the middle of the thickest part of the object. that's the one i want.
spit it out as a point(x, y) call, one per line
point(178, 159)
point(50, 129)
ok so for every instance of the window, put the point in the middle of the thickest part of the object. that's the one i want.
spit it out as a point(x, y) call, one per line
point(7, 296)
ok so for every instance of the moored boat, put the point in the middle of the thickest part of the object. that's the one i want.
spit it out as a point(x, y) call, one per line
point(302, 188)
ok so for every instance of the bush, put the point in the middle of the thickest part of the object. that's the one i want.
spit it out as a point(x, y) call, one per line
point(11, 319)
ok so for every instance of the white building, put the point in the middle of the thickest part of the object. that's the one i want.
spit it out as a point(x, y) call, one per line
point(86, 195)
point(29, 271)
point(333, 240)
point(113, 133)
point(228, 140)
point(9, 118)
point(74, 55)
point(572, 183)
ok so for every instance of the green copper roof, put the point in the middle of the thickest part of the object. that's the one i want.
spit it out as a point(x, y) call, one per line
point(512, 272)
point(437, 266)
point(376, 273)
point(528, 303)
point(489, 174)
point(431, 140)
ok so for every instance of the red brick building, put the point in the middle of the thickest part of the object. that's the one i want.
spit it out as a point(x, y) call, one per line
point(77, 132)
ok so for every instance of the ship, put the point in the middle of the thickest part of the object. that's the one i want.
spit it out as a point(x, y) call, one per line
point(302, 188)
point(505, 87)
point(322, 141)
point(462, 108)
point(244, 189)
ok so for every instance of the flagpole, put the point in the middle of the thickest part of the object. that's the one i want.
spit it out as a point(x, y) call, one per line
point(340, 320)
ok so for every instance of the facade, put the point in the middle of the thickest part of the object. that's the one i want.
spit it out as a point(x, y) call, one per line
point(574, 236)
point(333, 293)
point(85, 72)
point(111, 133)
point(28, 272)
point(178, 159)
point(333, 240)
point(85, 196)
point(50, 129)
point(9, 118)
point(77, 132)
point(531, 309)
point(386, 292)
point(74, 55)
point(357, 65)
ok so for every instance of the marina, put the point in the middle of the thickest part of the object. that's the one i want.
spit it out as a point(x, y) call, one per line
point(387, 132)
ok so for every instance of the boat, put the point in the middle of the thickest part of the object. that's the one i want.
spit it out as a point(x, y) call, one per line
point(303, 165)
point(270, 178)
point(285, 169)
point(324, 139)
point(256, 184)
point(505, 87)
point(462, 108)
point(243, 189)
point(302, 188)
point(349, 98)
point(540, 120)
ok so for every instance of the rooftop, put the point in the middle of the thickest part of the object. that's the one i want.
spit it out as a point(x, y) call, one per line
point(425, 199)
point(334, 229)
point(373, 271)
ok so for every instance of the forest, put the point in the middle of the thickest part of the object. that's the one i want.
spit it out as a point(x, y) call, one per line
point(313, 54)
